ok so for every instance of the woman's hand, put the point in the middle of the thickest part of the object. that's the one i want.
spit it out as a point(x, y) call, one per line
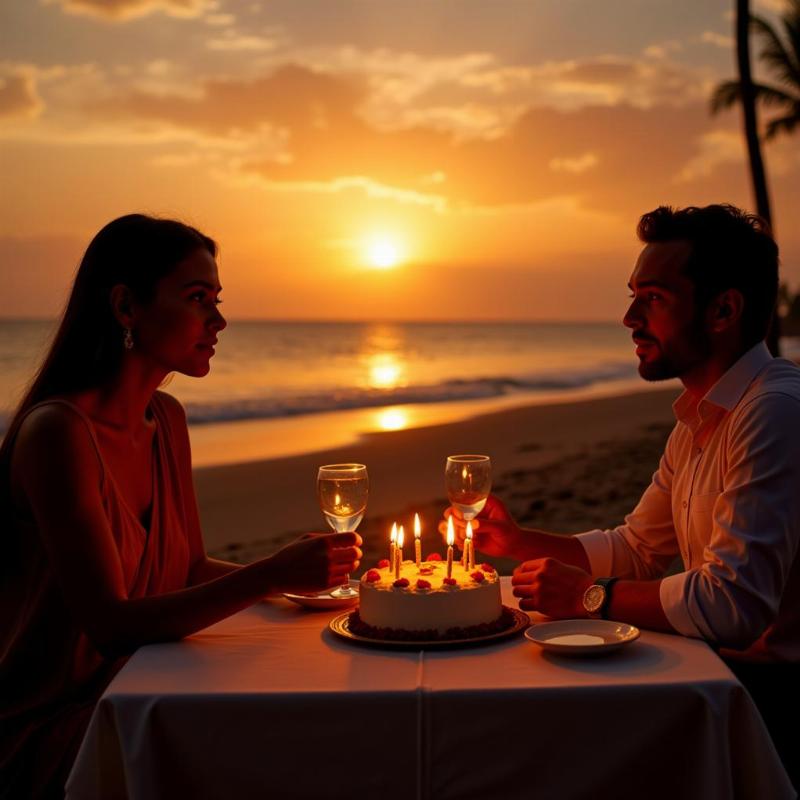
point(314, 562)
point(494, 530)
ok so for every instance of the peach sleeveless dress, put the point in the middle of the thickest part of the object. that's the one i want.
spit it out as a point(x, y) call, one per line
point(50, 674)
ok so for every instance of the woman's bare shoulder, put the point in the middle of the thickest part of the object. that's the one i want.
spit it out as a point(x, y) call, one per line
point(176, 415)
point(52, 419)
point(172, 406)
point(57, 429)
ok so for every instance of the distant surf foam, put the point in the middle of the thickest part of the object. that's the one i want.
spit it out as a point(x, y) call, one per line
point(200, 413)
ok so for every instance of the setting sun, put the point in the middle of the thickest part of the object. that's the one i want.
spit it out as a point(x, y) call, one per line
point(382, 252)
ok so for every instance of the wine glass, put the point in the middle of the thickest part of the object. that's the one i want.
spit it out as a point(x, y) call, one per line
point(342, 490)
point(469, 480)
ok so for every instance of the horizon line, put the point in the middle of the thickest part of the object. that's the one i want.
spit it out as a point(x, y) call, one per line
point(373, 321)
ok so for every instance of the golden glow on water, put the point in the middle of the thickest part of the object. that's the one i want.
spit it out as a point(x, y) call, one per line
point(384, 372)
point(382, 349)
point(392, 419)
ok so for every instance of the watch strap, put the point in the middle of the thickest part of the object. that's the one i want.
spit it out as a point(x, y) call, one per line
point(607, 584)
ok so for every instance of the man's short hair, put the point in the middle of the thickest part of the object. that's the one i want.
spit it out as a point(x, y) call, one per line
point(730, 250)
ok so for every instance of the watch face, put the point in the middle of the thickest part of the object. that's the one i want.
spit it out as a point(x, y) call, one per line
point(593, 598)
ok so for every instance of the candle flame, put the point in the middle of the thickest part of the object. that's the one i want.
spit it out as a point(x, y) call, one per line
point(393, 536)
point(464, 472)
point(400, 537)
point(469, 529)
point(417, 527)
point(451, 533)
point(337, 501)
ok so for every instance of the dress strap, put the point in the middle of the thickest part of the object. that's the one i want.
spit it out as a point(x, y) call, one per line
point(87, 422)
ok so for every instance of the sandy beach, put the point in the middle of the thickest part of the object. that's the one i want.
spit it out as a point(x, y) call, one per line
point(564, 467)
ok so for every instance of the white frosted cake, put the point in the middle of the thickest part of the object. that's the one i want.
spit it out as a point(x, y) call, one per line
point(423, 604)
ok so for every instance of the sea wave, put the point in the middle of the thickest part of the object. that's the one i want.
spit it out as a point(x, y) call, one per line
point(291, 405)
point(200, 413)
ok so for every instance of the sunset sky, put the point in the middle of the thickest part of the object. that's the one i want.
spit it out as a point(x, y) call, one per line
point(370, 159)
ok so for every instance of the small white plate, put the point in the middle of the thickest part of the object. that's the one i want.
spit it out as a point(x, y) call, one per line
point(582, 637)
point(324, 599)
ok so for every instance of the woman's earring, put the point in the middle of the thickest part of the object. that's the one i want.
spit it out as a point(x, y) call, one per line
point(127, 339)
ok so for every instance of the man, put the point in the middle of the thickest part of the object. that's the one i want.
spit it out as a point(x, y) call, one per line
point(726, 494)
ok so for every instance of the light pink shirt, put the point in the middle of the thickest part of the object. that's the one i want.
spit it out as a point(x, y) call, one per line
point(726, 497)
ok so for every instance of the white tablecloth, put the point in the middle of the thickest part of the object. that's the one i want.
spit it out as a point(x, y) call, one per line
point(270, 704)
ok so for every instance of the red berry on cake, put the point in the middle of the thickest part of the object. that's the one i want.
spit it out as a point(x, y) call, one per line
point(423, 584)
point(373, 575)
point(384, 562)
point(449, 581)
point(401, 583)
point(434, 557)
point(485, 567)
point(478, 576)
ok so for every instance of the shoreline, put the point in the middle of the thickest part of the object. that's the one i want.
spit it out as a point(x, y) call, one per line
point(564, 466)
point(253, 440)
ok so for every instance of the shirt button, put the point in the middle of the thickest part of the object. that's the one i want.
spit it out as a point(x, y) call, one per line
point(685, 504)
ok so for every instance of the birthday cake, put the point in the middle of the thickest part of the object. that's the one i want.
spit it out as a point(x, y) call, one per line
point(423, 604)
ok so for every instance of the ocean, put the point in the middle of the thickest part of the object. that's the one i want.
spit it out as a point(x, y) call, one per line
point(285, 370)
point(281, 369)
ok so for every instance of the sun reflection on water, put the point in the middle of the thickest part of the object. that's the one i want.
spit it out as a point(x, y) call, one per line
point(392, 419)
point(384, 371)
point(382, 351)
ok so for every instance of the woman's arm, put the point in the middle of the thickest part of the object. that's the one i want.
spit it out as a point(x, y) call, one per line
point(56, 470)
point(207, 569)
point(202, 567)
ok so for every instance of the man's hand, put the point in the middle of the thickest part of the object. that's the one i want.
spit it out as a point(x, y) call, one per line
point(494, 530)
point(551, 588)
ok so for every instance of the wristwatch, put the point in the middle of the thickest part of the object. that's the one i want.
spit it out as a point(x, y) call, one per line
point(597, 597)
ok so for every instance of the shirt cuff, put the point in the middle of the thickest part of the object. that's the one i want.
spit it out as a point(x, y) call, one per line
point(672, 594)
point(599, 551)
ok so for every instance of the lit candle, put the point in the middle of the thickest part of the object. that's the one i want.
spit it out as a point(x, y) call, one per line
point(392, 545)
point(399, 553)
point(451, 537)
point(469, 548)
point(417, 542)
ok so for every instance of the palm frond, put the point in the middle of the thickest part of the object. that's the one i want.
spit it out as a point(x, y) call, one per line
point(773, 53)
point(773, 96)
point(728, 93)
point(725, 95)
point(782, 124)
point(791, 27)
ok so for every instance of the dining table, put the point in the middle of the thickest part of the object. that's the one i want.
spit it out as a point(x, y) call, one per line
point(270, 703)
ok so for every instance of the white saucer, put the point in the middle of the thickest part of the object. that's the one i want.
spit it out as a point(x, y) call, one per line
point(324, 599)
point(582, 637)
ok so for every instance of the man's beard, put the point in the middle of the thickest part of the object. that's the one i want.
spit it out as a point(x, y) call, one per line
point(696, 348)
point(662, 369)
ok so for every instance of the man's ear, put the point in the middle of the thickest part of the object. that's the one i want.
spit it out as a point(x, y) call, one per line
point(725, 310)
point(121, 300)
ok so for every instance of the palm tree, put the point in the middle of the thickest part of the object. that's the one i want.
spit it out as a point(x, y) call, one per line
point(783, 59)
point(781, 54)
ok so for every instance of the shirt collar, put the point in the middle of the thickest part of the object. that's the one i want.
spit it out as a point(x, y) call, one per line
point(728, 390)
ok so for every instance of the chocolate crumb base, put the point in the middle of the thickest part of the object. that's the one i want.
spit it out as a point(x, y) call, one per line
point(360, 628)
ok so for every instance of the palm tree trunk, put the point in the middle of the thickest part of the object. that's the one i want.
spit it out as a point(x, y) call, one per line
point(757, 173)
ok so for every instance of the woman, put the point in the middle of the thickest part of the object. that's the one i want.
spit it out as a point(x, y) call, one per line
point(102, 550)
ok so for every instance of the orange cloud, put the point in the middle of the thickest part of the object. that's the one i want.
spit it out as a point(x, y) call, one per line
point(608, 156)
point(291, 97)
point(121, 10)
point(18, 95)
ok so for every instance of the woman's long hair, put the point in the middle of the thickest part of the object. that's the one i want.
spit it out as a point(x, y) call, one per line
point(136, 251)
